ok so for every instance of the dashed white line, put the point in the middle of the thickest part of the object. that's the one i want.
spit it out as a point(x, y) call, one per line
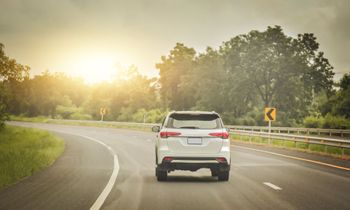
point(275, 187)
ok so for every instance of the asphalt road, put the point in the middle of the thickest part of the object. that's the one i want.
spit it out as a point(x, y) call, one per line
point(258, 180)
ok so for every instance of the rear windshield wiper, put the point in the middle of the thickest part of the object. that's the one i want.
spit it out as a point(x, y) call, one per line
point(190, 127)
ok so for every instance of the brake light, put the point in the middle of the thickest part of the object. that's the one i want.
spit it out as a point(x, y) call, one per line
point(223, 135)
point(167, 159)
point(221, 160)
point(166, 134)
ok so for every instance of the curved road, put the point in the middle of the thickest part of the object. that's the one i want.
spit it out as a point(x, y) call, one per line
point(258, 180)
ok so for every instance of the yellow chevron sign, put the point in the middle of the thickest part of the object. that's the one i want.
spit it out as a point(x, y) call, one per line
point(103, 111)
point(270, 114)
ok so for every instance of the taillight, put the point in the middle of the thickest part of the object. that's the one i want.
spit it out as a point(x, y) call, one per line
point(166, 134)
point(167, 159)
point(221, 160)
point(223, 135)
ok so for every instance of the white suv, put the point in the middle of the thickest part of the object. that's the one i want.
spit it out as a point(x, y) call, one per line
point(190, 140)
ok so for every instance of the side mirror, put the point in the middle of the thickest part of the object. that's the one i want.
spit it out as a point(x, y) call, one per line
point(156, 128)
point(228, 130)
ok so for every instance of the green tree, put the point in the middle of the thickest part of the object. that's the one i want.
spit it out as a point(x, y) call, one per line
point(283, 71)
point(173, 70)
point(10, 70)
point(339, 103)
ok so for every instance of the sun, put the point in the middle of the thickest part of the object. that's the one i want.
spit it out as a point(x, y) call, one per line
point(94, 68)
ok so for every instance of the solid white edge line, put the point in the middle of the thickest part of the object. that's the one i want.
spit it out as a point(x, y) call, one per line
point(104, 194)
point(102, 197)
point(275, 187)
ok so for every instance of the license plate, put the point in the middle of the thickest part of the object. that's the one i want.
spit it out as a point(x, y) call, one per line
point(196, 141)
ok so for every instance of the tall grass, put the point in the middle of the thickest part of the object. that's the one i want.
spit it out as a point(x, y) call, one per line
point(24, 151)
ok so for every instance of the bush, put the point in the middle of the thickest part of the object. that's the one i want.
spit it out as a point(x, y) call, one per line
point(80, 116)
point(329, 121)
point(313, 122)
point(336, 122)
point(72, 113)
point(66, 111)
point(151, 116)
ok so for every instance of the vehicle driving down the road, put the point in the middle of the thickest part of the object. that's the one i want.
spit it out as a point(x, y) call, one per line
point(190, 140)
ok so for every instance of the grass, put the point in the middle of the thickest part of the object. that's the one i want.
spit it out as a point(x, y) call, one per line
point(39, 119)
point(139, 127)
point(316, 148)
point(24, 151)
point(101, 124)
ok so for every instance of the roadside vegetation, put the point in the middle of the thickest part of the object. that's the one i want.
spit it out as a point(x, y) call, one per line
point(237, 79)
point(24, 151)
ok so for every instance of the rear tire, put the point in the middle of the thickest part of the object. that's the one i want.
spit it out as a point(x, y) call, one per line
point(223, 175)
point(161, 175)
point(214, 172)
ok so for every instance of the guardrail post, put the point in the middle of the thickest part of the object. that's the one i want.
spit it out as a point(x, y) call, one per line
point(341, 134)
point(342, 151)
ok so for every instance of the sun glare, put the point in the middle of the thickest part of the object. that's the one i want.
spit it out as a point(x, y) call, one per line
point(96, 68)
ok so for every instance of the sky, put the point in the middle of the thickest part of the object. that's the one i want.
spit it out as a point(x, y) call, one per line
point(96, 37)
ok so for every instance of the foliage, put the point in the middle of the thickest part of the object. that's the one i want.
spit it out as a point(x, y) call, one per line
point(338, 103)
point(10, 70)
point(72, 112)
point(245, 74)
point(336, 122)
point(173, 70)
point(313, 122)
point(329, 121)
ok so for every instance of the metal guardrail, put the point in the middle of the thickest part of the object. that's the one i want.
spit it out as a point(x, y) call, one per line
point(288, 130)
point(341, 143)
point(280, 133)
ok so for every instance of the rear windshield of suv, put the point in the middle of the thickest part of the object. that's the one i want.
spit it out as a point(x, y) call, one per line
point(194, 121)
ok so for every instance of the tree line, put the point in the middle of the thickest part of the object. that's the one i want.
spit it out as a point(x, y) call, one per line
point(245, 74)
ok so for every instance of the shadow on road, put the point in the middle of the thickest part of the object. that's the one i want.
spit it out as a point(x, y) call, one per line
point(191, 179)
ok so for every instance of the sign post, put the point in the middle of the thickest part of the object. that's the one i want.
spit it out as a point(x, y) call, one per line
point(270, 115)
point(102, 112)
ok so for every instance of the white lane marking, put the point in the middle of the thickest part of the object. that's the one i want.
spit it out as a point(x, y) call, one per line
point(275, 187)
point(103, 196)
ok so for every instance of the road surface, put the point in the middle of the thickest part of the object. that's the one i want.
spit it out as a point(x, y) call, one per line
point(114, 169)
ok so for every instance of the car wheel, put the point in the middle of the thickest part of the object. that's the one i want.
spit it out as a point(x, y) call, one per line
point(214, 172)
point(224, 175)
point(161, 175)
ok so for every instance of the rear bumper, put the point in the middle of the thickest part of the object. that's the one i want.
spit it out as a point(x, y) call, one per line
point(193, 164)
point(194, 158)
